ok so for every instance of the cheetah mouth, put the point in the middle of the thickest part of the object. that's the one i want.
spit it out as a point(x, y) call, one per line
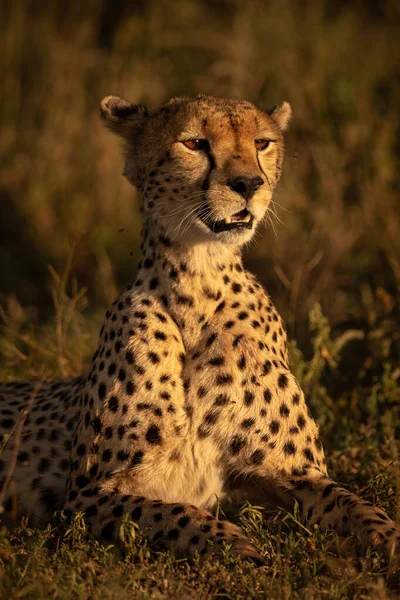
point(240, 220)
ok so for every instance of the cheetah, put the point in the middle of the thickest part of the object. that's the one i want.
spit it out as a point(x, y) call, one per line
point(189, 394)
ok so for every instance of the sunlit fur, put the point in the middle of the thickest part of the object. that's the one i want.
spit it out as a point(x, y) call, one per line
point(230, 128)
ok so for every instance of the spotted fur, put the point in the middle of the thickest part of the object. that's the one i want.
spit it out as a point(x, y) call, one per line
point(190, 391)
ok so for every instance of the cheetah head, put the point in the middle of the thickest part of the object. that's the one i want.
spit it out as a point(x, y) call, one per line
point(207, 167)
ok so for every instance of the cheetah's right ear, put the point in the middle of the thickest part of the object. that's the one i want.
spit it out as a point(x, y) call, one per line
point(281, 114)
point(121, 116)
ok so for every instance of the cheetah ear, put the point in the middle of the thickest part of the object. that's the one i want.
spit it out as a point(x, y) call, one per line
point(281, 114)
point(121, 116)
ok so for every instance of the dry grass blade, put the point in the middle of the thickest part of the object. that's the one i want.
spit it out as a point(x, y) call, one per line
point(17, 442)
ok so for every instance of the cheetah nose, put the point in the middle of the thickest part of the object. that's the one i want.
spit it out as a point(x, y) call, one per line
point(245, 186)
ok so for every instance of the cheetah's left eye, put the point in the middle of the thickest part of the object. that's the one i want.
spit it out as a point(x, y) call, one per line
point(262, 144)
point(195, 144)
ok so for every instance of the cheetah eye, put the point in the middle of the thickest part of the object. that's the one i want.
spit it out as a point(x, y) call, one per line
point(195, 144)
point(262, 144)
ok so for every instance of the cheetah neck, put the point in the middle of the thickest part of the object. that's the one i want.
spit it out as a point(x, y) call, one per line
point(190, 281)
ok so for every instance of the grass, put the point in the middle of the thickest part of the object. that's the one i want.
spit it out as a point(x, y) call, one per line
point(70, 241)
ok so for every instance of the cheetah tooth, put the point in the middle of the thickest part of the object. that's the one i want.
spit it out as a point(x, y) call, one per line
point(227, 220)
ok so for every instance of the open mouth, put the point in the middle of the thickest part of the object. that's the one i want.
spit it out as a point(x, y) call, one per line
point(240, 220)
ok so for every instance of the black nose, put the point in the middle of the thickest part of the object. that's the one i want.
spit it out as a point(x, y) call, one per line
point(245, 186)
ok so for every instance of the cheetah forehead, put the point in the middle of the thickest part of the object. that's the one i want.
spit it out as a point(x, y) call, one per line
point(212, 114)
point(241, 116)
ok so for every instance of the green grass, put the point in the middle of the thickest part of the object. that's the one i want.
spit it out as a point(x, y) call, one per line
point(70, 240)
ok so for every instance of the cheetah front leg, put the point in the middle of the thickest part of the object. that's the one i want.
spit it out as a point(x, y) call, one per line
point(284, 448)
point(332, 507)
point(257, 413)
point(181, 528)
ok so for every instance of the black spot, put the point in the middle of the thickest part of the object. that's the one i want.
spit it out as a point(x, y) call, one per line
point(236, 445)
point(102, 391)
point(153, 435)
point(237, 339)
point(267, 367)
point(154, 358)
point(81, 449)
point(224, 379)
point(248, 398)
point(108, 531)
point(139, 315)
point(242, 362)
point(221, 400)
point(129, 357)
point(91, 511)
point(246, 423)
point(257, 457)
point(173, 534)
point(82, 481)
point(123, 455)
point(185, 301)
point(301, 422)
point(153, 283)
point(160, 335)
point(136, 513)
point(118, 511)
point(177, 510)
point(284, 410)
point(308, 454)
point(267, 395)
point(211, 339)
point(220, 307)
point(296, 399)
point(112, 369)
point(113, 404)
point(289, 448)
point(218, 361)
point(328, 490)
point(283, 381)
point(137, 458)
point(183, 521)
point(130, 388)
point(274, 427)
point(329, 507)
point(22, 457)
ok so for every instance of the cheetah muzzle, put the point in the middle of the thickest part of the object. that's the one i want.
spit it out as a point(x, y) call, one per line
point(190, 382)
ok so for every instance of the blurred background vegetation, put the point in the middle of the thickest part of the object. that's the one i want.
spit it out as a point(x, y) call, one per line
point(70, 230)
point(70, 221)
